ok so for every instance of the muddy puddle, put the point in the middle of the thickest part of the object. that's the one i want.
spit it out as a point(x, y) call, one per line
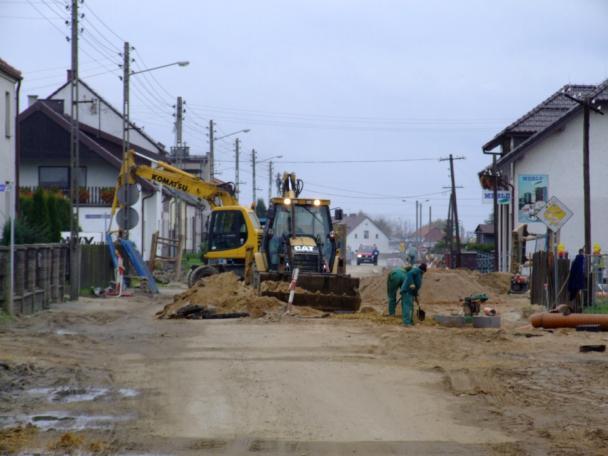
point(69, 395)
point(64, 421)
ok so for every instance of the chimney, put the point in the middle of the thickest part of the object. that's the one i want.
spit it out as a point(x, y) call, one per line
point(31, 99)
point(69, 75)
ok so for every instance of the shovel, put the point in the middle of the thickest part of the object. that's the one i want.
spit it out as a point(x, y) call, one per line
point(421, 313)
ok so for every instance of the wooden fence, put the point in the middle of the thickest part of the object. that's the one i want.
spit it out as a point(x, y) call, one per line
point(97, 269)
point(40, 277)
point(542, 281)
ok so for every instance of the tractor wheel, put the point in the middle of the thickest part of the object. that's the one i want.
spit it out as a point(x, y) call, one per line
point(201, 272)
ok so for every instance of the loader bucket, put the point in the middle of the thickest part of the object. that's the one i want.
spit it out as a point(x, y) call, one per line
point(326, 292)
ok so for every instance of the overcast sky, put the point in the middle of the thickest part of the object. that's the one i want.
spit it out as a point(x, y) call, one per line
point(328, 80)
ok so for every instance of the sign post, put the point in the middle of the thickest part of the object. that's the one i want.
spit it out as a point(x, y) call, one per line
point(554, 215)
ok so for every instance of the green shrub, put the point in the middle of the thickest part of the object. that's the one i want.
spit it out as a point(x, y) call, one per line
point(24, 233)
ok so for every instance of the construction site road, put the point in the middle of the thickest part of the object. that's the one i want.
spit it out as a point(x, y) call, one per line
point(105, 377)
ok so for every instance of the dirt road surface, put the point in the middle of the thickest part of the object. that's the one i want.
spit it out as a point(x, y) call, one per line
point(106, 377)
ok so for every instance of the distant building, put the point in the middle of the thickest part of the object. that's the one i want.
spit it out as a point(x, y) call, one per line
point(484, 233)
point(44, 159)
point(362, 231)
point(10, 81)
point(540, 155)
point(428, 235)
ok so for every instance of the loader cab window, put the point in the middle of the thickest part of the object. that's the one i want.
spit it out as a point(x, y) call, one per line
point(313, 221)
point(227, 230)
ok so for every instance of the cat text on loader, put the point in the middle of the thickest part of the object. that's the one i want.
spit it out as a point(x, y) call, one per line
point(299, 234)
point(234, 230)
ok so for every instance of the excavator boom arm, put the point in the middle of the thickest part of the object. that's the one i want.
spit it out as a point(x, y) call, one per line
point(177, 179)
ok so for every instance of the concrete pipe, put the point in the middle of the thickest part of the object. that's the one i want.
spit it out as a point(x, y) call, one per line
point(555, 320)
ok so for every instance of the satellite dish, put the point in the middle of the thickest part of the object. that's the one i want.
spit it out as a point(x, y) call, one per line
point(128, 194)
point(127, 218)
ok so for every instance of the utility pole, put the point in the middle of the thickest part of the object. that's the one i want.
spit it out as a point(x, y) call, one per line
point(450, 232)
point(429, 216)
point(589, 104)
point(179, 117)
point(586, 178)
point(211, 150)
point(237, 160)
point(455, 207)
point(269, 182)
point(417, 229)
point(495, 210)
point(179, 157)
point(74, 162)
point(253, 157)
point(126, 74)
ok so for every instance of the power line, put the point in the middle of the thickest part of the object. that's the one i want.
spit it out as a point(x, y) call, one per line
point(327, 162)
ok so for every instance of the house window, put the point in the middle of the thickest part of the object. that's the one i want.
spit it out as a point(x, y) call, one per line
point(366, 234)
point(355, 235)
point(376, 235)
point(59, 177)
point(7, 114)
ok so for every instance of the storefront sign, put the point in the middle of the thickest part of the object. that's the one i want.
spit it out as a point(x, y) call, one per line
point(532, 195)
point(503, 196)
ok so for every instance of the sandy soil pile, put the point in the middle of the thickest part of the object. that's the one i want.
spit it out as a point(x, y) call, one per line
point(227, 294)
point(440, 286)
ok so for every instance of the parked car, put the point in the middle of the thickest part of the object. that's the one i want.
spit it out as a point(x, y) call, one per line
point(367, 254)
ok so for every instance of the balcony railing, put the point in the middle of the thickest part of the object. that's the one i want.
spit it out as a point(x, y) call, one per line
point(88, 196)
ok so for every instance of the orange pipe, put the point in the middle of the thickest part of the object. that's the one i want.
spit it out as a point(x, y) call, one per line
point(557, 320)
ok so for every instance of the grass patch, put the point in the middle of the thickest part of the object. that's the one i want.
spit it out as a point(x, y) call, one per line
point(5, 318)
point(600, 307)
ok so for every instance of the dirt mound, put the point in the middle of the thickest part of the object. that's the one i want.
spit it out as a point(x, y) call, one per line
point(227, 294)
point(439, 286)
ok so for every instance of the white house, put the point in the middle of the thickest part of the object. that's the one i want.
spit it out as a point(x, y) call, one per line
point(540, 155)
point(10, 81)
point(44, 159)
point(361, 231)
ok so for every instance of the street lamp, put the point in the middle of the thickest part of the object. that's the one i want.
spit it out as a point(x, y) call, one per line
point(212, 139)
point(254, 162)
point(245, 130)
point(127, 73)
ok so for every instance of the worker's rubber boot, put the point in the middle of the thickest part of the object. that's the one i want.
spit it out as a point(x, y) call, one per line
point(407, 309)
point(392, 305)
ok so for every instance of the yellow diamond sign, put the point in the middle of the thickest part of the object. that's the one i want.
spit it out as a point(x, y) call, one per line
point(555, 214)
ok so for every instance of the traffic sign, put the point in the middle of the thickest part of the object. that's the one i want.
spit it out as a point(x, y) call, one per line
point(555, 214)
point(127, 218)
point(128, 194)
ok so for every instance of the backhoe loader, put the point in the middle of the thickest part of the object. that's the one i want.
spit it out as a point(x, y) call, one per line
point(299, 234)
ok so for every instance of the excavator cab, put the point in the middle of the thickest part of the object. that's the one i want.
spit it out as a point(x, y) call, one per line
point(299, 234)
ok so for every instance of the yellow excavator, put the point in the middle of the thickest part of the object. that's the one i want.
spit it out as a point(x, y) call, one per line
point(299, 234)
point(234, 230)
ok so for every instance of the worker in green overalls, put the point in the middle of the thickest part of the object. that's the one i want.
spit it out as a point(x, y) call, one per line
point(409, 290)
point(393, 284)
